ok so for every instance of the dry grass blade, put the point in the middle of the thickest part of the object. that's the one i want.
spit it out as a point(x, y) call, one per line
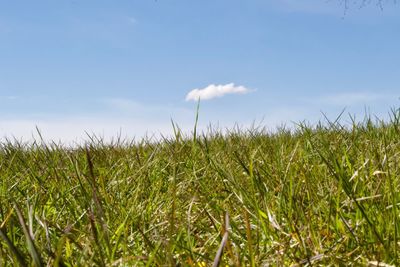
point(378, 264)
point(310, 260)
point(13, 249)
point(29, 240)
point(224, 241)
point(96, 237)
point(99, 211)
point(249, 239)
point(92, 181)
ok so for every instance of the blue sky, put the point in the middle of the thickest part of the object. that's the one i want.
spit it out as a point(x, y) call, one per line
point(109, 66)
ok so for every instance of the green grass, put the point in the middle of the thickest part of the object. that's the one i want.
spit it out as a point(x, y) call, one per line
point(320, 196)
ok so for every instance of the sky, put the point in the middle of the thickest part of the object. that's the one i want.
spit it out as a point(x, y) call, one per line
point(129, 67)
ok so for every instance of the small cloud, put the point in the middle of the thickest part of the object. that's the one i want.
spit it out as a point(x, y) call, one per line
point(131, 20)
point(214, 91)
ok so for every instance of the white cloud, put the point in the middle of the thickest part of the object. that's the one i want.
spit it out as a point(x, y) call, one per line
point(213, 91)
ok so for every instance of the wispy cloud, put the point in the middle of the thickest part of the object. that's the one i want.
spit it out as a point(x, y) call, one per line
point(358, 9)
point(127, 106)
point(354, 98)
point(122, 104)
point(131, 20)
point(310, 7)
point(214, 91)
point(114, 29)
point(73, 129)
point(109, 118)
point(9, 97)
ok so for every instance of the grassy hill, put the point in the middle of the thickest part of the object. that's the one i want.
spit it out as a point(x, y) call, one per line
point(322, 195)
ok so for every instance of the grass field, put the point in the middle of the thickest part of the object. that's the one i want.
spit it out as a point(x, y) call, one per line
point(326, 195)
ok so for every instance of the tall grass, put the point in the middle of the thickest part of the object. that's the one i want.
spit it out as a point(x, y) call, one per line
point(321, 195)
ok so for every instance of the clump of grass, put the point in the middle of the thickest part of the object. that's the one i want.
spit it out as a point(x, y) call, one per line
point(322, 195)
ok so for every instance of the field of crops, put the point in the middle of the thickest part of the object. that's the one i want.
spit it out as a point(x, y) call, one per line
point(322, 195)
